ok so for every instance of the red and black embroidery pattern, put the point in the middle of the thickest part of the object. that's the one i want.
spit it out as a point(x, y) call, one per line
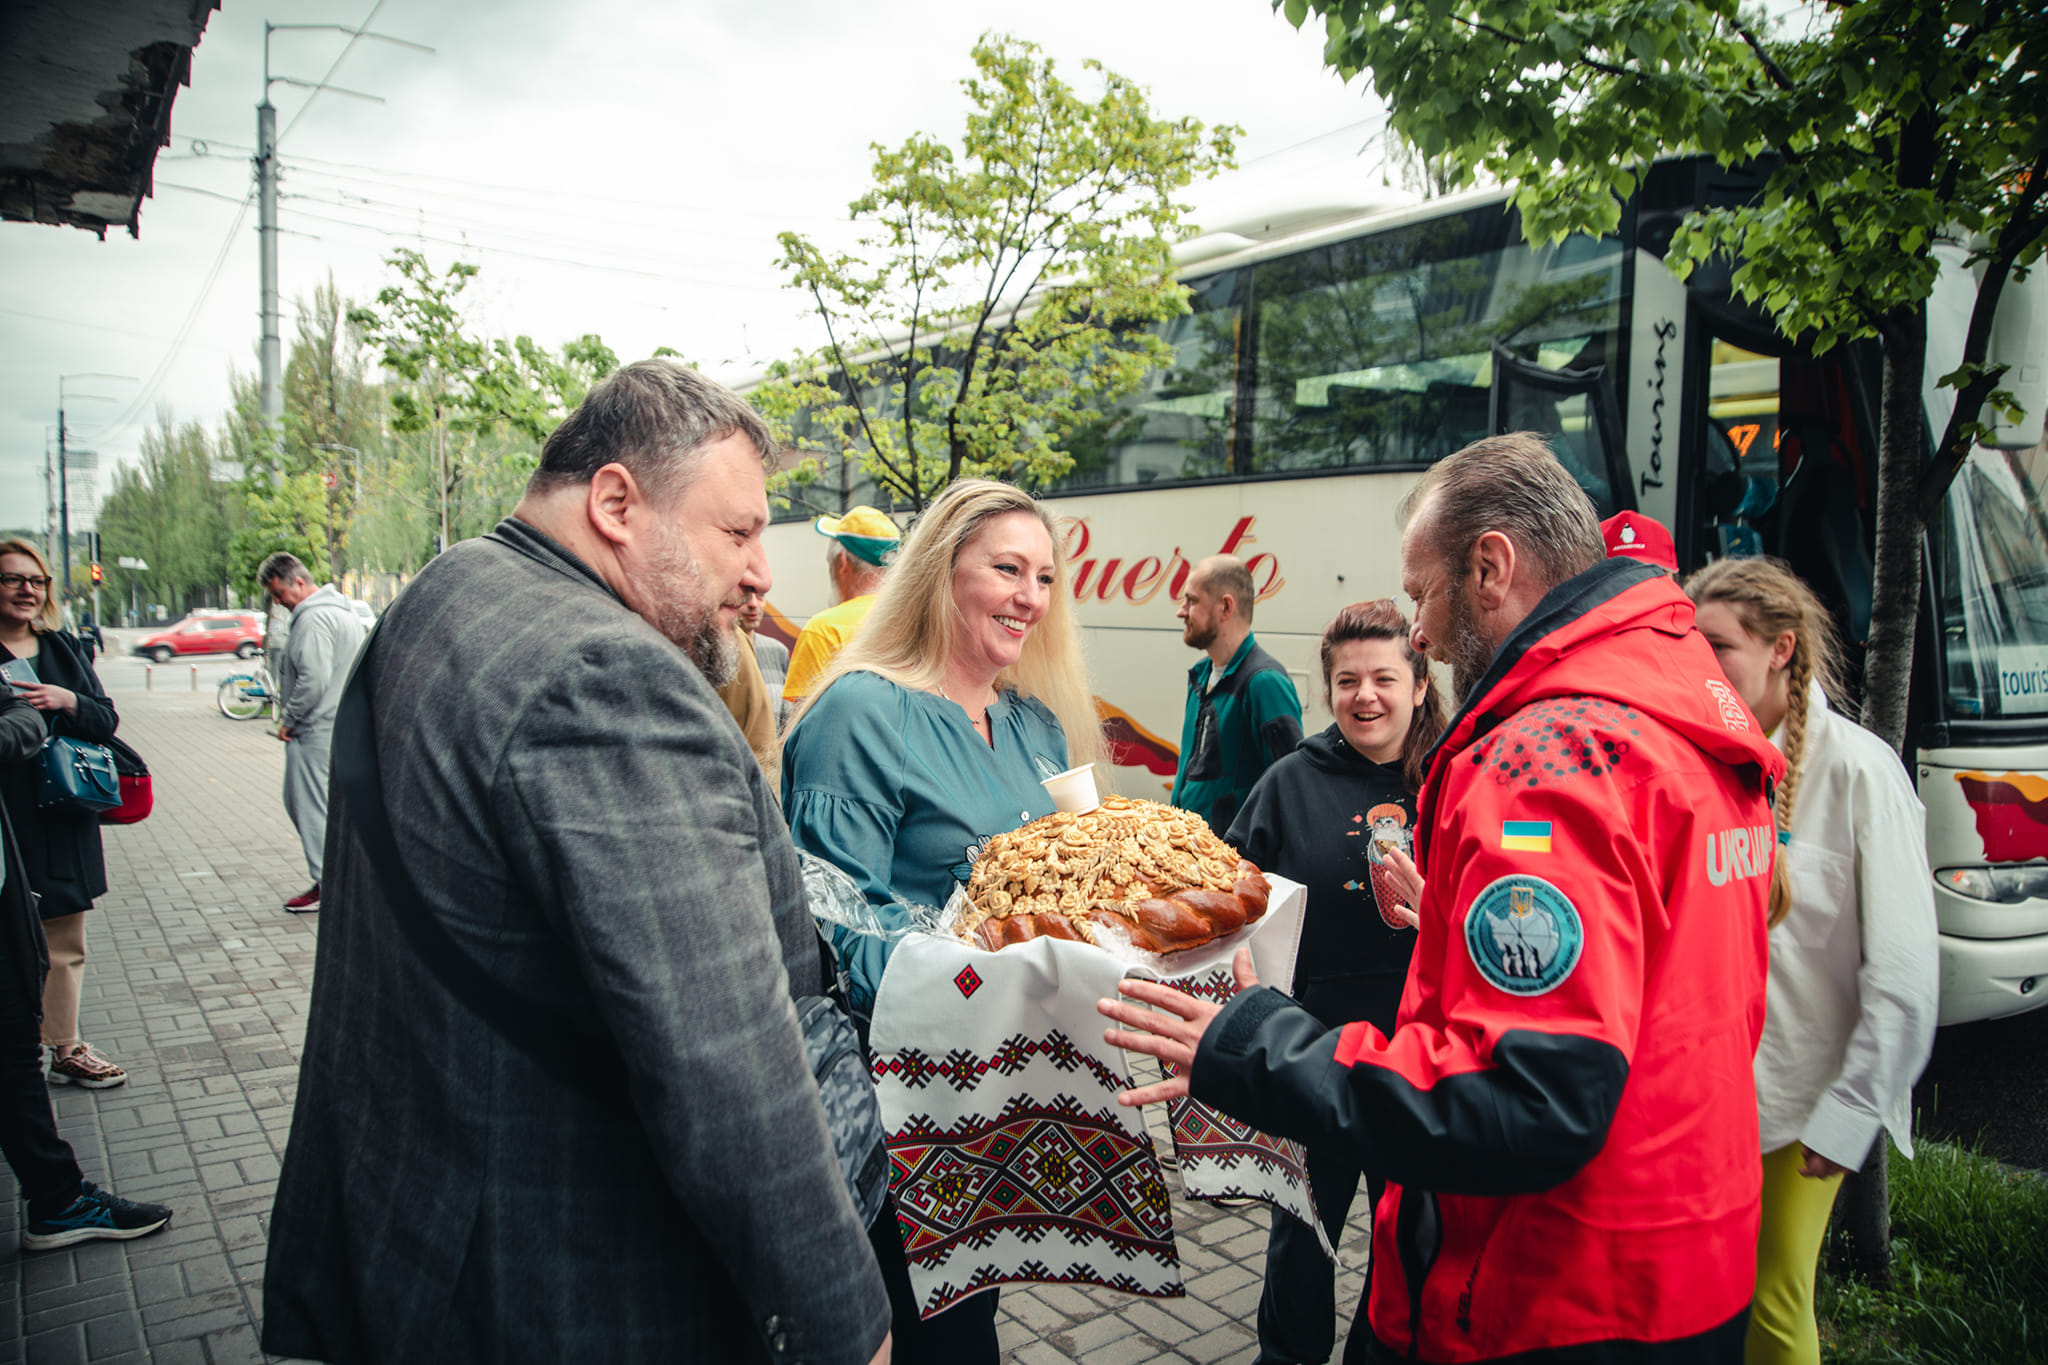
point(1038, 1170)
point(963, 1070)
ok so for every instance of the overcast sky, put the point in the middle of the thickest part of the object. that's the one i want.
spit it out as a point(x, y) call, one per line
point(614, 166)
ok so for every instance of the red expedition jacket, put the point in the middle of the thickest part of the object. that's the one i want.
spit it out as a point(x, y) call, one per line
point(1565, 1110)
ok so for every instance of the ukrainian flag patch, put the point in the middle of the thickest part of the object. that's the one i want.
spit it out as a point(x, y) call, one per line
point(1525, 836)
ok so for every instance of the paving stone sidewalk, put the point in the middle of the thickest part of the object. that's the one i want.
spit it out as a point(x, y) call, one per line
point(197, 983)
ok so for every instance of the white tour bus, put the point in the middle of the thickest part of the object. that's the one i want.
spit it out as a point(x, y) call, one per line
point(1332, 355)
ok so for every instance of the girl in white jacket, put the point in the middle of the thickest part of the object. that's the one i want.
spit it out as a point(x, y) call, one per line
point(1854, 971)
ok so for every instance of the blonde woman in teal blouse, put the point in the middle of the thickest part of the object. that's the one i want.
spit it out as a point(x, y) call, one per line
point(930, 733)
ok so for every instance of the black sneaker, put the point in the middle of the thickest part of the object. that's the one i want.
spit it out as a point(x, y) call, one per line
point(94, 1214)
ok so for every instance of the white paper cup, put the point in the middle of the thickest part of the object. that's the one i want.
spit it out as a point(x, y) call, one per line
point(1074, 789)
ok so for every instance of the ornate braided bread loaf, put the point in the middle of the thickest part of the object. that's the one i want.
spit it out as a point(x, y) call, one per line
point(1156, 873)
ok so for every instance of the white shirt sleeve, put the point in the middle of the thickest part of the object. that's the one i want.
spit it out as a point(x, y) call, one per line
point(1897, 984)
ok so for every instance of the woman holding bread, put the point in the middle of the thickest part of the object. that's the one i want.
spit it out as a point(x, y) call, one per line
point(1337, 815)
point(930, 732)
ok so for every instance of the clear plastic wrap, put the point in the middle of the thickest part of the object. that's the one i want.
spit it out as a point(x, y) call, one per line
point(836, 902)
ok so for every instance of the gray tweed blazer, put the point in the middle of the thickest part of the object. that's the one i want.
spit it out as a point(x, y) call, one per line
point(582, 815)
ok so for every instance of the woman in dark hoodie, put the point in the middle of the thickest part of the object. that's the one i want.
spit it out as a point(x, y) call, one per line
point(1327, 816)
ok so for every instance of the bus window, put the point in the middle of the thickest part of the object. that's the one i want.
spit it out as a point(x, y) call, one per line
point(1377, 351)
point(1991, 556)
point(1181, 423)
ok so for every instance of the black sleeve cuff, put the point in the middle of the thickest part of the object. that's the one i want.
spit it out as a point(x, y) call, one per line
point(1529, 1121)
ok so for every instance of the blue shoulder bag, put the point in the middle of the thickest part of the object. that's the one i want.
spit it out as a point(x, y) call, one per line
point(78, 776)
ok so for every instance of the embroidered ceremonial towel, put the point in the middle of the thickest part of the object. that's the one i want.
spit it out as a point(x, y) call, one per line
point(1012, 1160)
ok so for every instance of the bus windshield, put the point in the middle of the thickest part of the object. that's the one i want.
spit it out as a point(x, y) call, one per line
point(1991, 570)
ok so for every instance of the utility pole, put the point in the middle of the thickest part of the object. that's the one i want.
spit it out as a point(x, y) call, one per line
point(63, 480)
point(270, 363)
point(63, 501)
point(50, 494)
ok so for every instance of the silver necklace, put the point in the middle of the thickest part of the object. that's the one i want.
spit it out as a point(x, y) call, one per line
point(977, 721)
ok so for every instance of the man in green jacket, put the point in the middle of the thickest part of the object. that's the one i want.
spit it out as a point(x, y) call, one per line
point(1243, 712)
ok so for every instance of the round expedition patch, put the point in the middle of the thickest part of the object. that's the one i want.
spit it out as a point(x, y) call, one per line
point(1524, 935)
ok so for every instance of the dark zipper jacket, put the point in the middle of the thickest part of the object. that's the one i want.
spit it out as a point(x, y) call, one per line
point(1312, 819)
point(1232, 732)
point(61, 849)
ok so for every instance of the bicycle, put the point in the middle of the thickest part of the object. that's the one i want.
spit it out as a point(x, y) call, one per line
point(245, 696)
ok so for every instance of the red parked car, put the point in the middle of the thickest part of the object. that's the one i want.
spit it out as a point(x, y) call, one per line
point(207, 632)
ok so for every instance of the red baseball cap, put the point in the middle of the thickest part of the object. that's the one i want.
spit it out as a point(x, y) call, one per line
point(1634, 536)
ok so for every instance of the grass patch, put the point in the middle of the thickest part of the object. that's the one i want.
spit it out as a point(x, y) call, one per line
point(1969, 1270)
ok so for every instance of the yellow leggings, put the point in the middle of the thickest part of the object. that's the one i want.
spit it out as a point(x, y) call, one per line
point(1781, 1328)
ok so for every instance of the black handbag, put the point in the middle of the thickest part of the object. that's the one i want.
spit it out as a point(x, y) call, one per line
point(558, 1045)
point(77, 776)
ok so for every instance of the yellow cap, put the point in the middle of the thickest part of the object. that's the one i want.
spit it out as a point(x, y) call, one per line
point(866, 533)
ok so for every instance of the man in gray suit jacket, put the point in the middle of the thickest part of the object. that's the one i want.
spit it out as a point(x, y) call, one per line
point(585, 823)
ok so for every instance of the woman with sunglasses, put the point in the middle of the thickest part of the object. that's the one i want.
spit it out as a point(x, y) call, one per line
point(61, 850)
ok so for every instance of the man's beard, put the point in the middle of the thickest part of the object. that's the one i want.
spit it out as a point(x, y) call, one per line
point(1467, 652)
point(1198, 637)
point(685, 612)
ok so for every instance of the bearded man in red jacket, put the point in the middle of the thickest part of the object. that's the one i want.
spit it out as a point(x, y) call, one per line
point(1565, 1111)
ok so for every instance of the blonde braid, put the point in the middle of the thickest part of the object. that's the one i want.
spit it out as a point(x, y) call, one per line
point(1798, 677)
point(1770, 600)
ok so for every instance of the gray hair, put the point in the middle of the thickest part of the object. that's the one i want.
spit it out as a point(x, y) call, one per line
point(1514, 485)
point(870, 575)
point(282, 565)
point(654, 417)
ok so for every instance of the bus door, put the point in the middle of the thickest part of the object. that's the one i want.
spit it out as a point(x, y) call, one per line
point(1576, 409)
point(1781, 460)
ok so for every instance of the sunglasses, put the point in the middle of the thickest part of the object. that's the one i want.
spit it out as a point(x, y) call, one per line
point(16, 580)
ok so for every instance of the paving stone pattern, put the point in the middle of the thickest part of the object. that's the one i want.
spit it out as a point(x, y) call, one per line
point(197, 983)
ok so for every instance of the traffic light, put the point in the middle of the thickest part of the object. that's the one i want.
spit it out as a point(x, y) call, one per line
point(96, 574)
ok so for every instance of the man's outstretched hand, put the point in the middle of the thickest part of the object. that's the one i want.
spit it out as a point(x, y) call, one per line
point(1170, 1030)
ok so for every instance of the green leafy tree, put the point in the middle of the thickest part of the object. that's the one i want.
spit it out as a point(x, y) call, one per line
point(290, 516)
point(1002, 293)
point(1892, 124)
point(333, 413)
point(476, 410)
point(175, 509)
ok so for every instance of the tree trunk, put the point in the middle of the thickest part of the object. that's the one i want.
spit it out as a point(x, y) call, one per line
point(1860, 1238)
point(1895, 593)
point(1862, 1233)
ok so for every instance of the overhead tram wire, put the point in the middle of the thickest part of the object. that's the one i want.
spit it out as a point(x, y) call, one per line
point(194, 189)
point(140, 403)
point(1377, 123)
point(384, 176)
point(417, 213)
point(486, 248)
point(163, 368)
point(333, 67)
point(103, 330)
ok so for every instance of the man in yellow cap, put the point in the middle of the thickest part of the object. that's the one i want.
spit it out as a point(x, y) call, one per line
point(862, 542)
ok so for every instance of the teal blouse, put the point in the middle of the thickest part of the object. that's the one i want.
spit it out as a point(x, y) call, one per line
point(897, 788)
